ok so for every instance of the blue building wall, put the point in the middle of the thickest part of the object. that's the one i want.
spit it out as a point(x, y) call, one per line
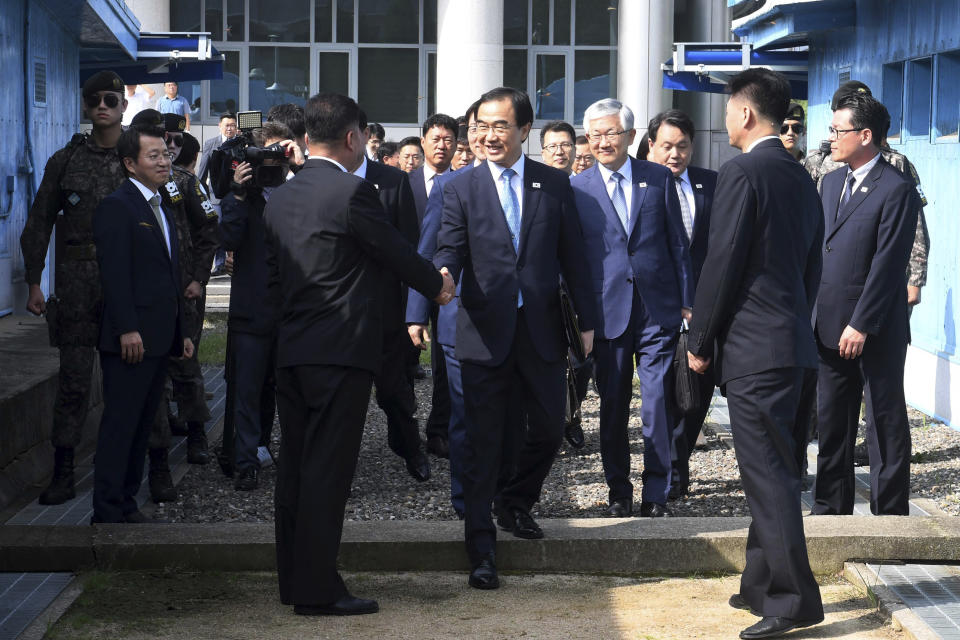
point(925, 36)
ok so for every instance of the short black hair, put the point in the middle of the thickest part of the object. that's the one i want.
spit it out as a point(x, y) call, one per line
point(271, 130)
point(376, 129)
point(386, 150)
point(188, 152)
point(291, 115)
point(472, 111)
point(227, 115)
point(581, 140)
point(674, 118)
point(462, 130)
point(643, 149)
point(328, 116)
point(128, 146)
point(522, 108)
point(767, 91)
point(409, 140)
point(557, 125)
point(866, 112)
point(441, 120)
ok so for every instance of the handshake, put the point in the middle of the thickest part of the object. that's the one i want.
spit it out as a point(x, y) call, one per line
point(449, 289)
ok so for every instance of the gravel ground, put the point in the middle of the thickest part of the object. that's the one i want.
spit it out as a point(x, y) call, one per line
point(382, 489)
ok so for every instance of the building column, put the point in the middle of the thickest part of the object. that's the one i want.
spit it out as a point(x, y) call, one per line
point(469, 52)
point(154, 15)
point(645, 42)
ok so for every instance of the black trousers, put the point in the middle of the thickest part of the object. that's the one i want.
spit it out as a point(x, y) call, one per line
point(768, 419)
point(687, 428)
point(255, 362)
point(322, 412)
point(495, 401)
point(131, 396)
point(439, 419)
point(877, 377)
point(395, 395)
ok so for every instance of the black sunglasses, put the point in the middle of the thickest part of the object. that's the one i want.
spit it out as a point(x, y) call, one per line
point(797, 128)
point(175, 138)
point(109, 99)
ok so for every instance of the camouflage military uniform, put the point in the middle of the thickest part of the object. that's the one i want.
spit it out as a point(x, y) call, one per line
point(819, 164)
point(195, 220)
point(75, 180)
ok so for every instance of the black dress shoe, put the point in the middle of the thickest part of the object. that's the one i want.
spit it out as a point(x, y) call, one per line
point(419, 467)
point(246, 480)
point(773, 626)
point(677, 491)
point(620, 508)
point(484, 575)
point(524, 524)
point(345, 606)
point(653, 510)
point(573, 432)
point(438, 446)
point(505, 519)
point(737, 602)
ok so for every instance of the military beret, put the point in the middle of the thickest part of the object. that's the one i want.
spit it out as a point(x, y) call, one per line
point(102, 81)
point(795, 112)
point(847, 89)
point(174, 122)
point(150, 117)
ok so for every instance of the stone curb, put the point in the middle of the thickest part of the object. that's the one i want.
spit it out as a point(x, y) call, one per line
point(592, 545)
point(888, 603)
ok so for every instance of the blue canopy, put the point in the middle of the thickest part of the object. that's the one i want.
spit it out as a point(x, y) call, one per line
point(160, 57)
point(706, 67)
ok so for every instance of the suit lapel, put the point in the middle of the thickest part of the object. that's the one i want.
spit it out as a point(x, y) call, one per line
point(864, 189)
point(146, 213)
point(531, 199)
point(639, 193)
point(599, 191)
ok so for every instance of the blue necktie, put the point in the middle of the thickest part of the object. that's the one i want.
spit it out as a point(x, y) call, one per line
point(511, 211)
point(620, 201)
point(847, 193)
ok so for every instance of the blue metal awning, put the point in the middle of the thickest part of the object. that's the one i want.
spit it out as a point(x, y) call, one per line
point(789, 23)
point(159, 57)
point(708, 66)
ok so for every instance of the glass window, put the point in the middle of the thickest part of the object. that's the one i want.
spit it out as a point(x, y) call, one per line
point(430, 21)
point(193, 92)
point(388, 84)
point(551, 85)
point(272, 21)
point(236, 21)
point(345, 20)
point(514, 22)
point(323, 21)
point(541, 22)
point(595, 78)
point(561, 21)
point(185, 15)
point(225, 93)
point(948, 96)
point(515, 69)
point(389, 21)
point(213, 18)
point(596, 22)
point(893, 98)
point(920, 75)
point(333, 72)
point(278, 75)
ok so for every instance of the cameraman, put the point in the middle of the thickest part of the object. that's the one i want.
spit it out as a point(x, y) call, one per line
point(252, 323)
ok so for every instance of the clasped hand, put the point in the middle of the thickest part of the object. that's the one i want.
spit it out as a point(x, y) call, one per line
point(449, 289)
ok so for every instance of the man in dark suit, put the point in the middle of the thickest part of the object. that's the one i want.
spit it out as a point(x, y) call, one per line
point(328, 244)
point(508, 233)
point(395, 395)
point(671, 135)
point(142, 322)
point(639, 263)
point(754, 299)
point(862, 321)
point(228, 129)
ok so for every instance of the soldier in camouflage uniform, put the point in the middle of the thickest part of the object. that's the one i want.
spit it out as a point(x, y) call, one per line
point(75, 180)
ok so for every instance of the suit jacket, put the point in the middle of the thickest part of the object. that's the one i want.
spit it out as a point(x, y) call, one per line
point(242, 231)
point(328, 245)
point(654, 257)
point(419, 193)
point(704, 183)
point(203, 165)
point(762, 269)
point(475, 245)
point(140, 280)
point(865, 254)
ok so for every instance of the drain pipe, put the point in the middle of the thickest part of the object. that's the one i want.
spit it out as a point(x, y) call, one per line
point(26, 163)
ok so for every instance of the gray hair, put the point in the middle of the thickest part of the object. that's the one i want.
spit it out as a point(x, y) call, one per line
point(608, 107)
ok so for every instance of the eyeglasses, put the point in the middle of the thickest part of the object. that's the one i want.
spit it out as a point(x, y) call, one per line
point(157, 157)
point(175, 138)
point(797, 128)
point(500, 128)
point(109, 99)
point(836, 133)
point(552, 148)
point(609, 135)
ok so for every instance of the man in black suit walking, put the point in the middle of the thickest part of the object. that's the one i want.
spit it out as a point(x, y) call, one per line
point(142, 323)
point(756, 289)
point(862, 319)
point(328, 245)
point(509, 230)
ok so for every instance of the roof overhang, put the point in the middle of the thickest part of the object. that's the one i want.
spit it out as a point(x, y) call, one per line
point(97, 22)
point(158, 57)
point(708, 66)
point(789, 23)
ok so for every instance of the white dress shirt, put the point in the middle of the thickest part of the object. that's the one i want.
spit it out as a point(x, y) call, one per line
point(148, 195)
point(758, 141)
point(342, 168)
point(860, 174)
point(428, 176)
point(516, 181)
point(627, 183)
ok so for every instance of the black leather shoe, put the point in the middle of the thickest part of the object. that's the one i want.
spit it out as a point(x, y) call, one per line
point(345, 606)
point(484, 575)
point(620, 508)
point(419, 373)
point(438, 446)
point(677, 491)
point(573, 432)
point(773, 626)
point(247, 480)
point(653, 510)
point(419, 467)
point(737, 602)
point(505, 519)
point(137, 517)
point(524, 524)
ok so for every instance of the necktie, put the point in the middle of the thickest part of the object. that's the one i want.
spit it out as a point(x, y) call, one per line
point(430, 184)
point(511, 211)
point(155, 205)
point(685, 210)
point(620, 201)
point(847, 193)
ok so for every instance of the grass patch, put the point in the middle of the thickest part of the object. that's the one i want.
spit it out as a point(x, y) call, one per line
point(213, 341)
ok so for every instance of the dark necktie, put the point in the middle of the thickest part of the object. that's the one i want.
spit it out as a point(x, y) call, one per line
point(847, 193)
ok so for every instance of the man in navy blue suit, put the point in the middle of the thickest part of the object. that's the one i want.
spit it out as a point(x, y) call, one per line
point(671, 135)
point(639, 261)
point(142, 319)
point(862, 316)
point(509, 231)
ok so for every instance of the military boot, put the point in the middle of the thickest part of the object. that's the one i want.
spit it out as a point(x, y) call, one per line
point(161, 483)
point(177, 426)
point(197, 444)
point(61, 486)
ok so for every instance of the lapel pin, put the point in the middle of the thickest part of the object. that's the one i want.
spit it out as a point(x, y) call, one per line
point(535, 185)
point(864, 189)
point(376, 186)
point(641, 185)
point(698, 186)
